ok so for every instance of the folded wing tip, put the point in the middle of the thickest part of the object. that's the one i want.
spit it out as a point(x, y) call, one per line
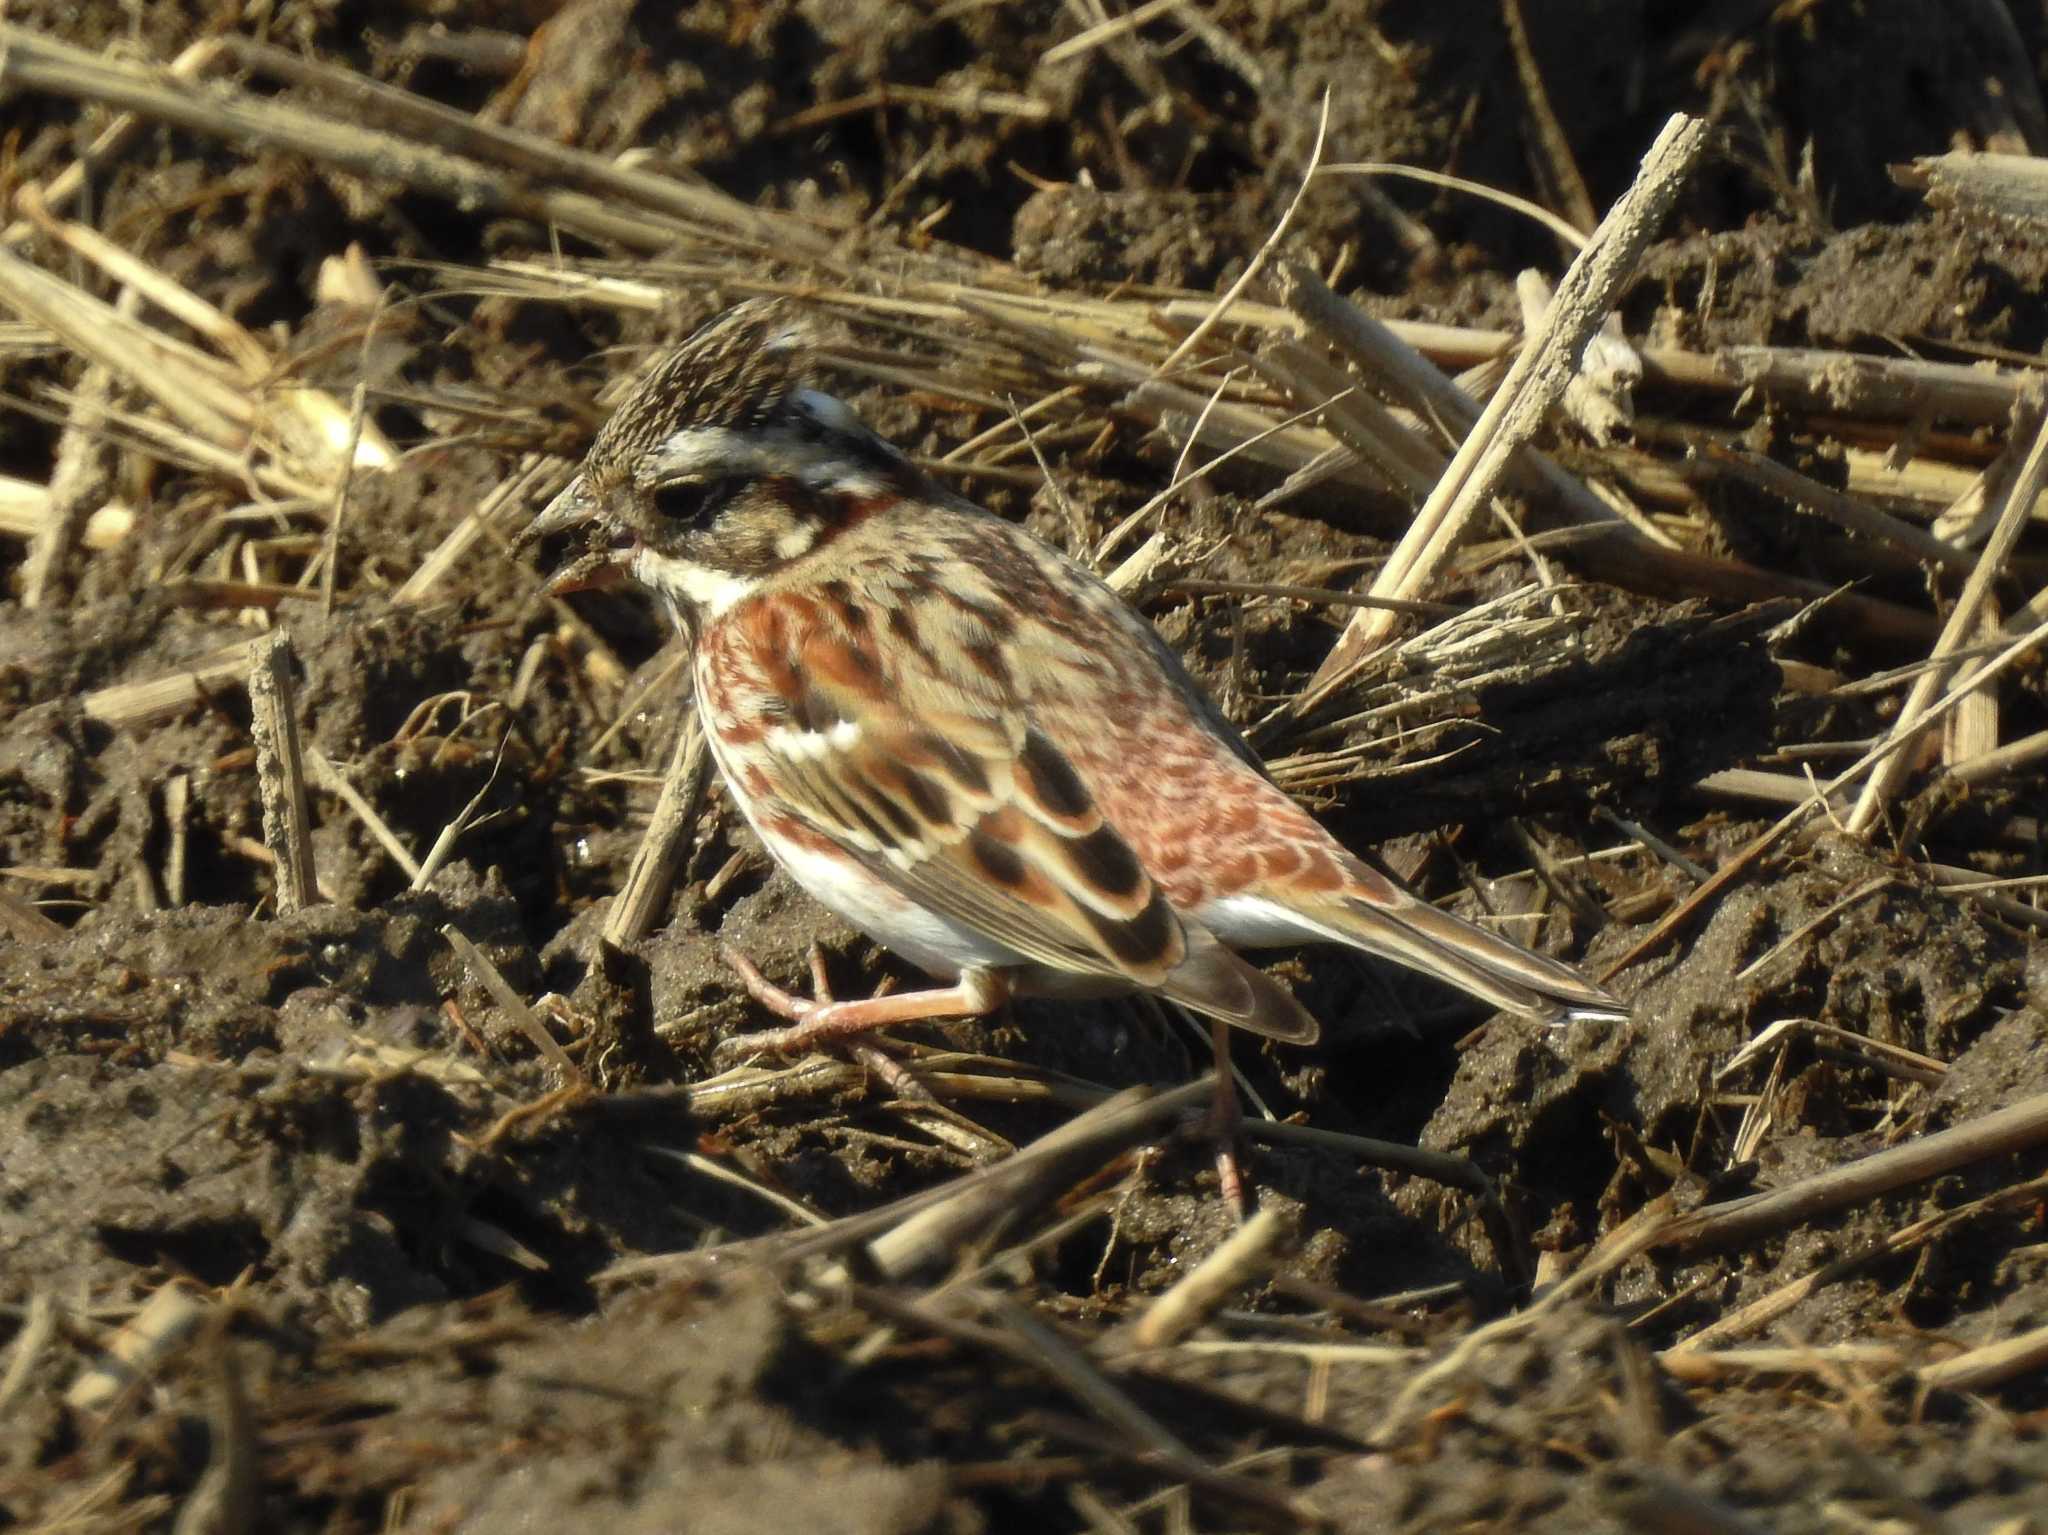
point(1218, 981)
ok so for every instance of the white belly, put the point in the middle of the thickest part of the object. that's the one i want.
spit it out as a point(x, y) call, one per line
point(928, 940)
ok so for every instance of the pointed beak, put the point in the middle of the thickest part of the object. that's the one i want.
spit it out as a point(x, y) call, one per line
point(596, 568)
point(596, 572)
point(572, 508)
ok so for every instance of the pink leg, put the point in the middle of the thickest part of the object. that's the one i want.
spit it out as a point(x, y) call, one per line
point(976, 993)
point(891, 1075)
point(1226, 1114)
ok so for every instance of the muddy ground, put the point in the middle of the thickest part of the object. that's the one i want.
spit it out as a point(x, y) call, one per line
point(323, 1130)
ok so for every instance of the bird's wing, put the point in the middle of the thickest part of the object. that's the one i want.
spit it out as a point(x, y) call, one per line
point(935, 777)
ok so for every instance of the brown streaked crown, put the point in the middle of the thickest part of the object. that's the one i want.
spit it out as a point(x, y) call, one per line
point(737, 372)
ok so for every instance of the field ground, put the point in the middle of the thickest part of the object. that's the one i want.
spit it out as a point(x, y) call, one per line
point(300, 1231)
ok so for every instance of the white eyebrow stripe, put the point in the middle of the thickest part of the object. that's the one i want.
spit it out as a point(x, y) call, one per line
point(701, 452)
point(696, 449)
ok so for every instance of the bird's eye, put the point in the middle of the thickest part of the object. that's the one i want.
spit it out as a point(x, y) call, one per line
point(692, 503)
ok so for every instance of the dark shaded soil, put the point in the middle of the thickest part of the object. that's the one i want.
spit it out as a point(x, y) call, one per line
point(309, 1112)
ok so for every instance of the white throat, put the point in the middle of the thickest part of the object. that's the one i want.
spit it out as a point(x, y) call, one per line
point(699, 587)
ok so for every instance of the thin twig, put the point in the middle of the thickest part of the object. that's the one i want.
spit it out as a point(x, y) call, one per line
point(514, 1007)
point(2019, 1127)
point(1260, 257)
point(1236, 1262)
point(281, 771)
point(663, 846)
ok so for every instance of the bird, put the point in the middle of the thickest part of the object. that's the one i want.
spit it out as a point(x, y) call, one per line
point(959, 739)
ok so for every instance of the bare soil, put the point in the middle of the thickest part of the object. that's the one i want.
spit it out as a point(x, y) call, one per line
point(313, 1115)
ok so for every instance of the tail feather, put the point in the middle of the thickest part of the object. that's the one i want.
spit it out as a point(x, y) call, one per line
point(1386, 921)
point(1490, 967)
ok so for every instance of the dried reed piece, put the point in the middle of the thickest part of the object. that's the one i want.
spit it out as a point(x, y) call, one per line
point(1961, 628)
point(1240, 1259)
point(1990, 766)
point(81, 481)
point(347, 142)
point(1409, 464)
point(529, 157)
point(178, 835)
point(24, 507)
point(1631, 552)
point(228, 403)
point(1972, 731)
point(996, 1193)
point(129, 273)
point(1702, 1367)
point(2013, 187)
point(1416, 383)
point(166, 1320)
point(1844, 511)
point(135, 704)
point(1534, 384)
point(1990, 1365)
point(1836, 384)
point(1768, 788)
point(196, 60)
point(281, 771)
point(2017, 1127)
point(664, 845)
point(189, 385)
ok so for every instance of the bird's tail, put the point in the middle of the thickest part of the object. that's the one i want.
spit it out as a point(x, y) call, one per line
point(1384, 920)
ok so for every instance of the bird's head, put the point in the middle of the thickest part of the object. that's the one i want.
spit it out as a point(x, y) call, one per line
point(724, 464)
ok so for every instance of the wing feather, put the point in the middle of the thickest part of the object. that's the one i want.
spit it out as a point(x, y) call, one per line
point(1047, 878)
point(952, 831)
point(929, 762)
